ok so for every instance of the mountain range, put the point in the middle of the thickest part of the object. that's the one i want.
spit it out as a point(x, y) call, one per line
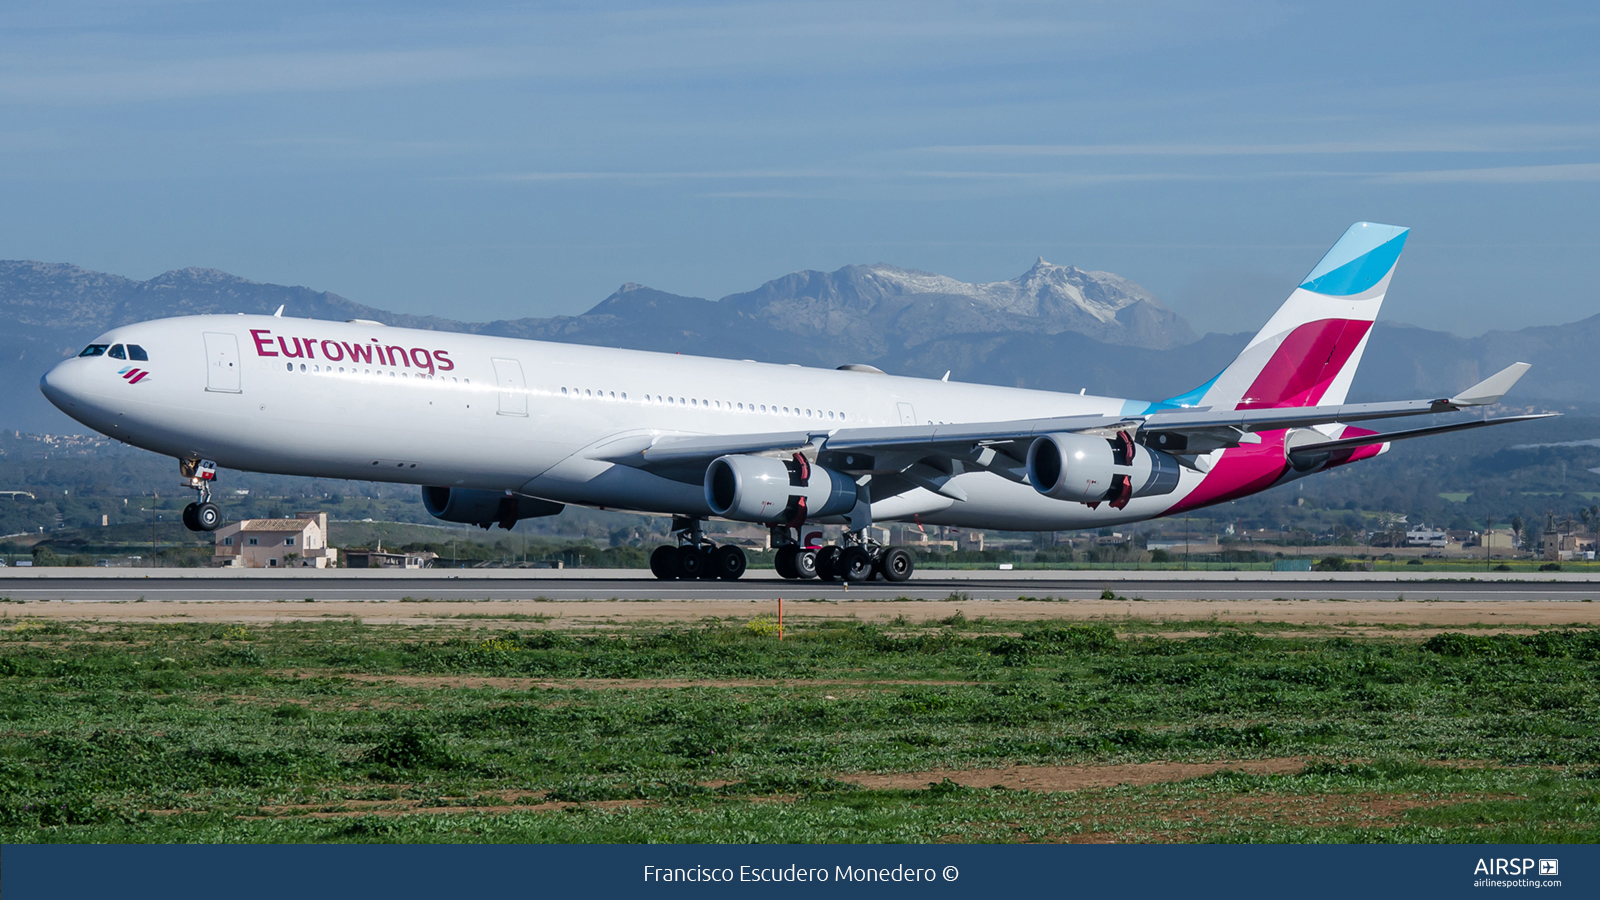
point(1053, 327)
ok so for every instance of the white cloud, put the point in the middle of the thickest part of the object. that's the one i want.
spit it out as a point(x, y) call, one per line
point(1312, 148)
point(260, 73)
point(1497, 175)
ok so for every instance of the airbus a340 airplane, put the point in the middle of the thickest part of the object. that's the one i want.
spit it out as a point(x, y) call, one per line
point(497, 430)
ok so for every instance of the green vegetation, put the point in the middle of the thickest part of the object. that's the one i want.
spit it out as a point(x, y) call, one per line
point(337, 731)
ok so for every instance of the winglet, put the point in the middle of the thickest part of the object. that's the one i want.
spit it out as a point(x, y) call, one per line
point(279, 313)
point(1491, 389)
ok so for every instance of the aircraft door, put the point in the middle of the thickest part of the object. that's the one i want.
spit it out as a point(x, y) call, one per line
point(222, 362)
point(513, 390)
point(908, 416)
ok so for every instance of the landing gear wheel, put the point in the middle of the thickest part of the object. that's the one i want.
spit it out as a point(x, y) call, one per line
point(828, 562)
point(691, 563)
point(855, 564)
point(805, 563)
point(188, 517)
point(728, 563)
point(664, 562)
point(897, 564)
point(783, 562)
point(208, 516)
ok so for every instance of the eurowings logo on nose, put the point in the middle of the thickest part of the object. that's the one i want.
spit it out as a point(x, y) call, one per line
point(133, 375)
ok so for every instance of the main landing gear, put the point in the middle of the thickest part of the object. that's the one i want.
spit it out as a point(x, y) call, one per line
point(695, 557)
point(202, 515)
point(856, 558)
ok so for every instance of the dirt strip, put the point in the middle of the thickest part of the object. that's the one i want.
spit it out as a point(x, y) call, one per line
point(1073, 778)
point(1353, 614)
point(1030, 778)
point(507, 683)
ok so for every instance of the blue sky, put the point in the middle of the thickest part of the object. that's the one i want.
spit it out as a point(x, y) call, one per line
point(501, 160)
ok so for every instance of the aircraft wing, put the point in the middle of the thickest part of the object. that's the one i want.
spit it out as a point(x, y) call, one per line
point(1311, 450)
point(1001, 446)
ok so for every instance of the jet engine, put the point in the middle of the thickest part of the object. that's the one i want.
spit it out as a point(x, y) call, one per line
point(1093, 470)
point(484, 508)
point(776, 491)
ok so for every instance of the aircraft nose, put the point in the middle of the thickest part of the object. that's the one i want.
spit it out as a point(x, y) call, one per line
point(63, 384)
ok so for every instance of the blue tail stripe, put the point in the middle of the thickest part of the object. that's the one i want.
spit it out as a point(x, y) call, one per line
point(1359, 274)
point(1190, 398)
point(1181, 401)
point(1358, 240)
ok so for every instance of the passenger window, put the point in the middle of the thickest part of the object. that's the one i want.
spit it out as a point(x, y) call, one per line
point(94, 350)
point(116, 353)
point(137, 354)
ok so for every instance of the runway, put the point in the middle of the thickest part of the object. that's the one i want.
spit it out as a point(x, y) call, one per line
point(340, 586)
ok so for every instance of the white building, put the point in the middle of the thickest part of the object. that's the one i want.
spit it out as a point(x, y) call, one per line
point(1424, 536)
point(300, 542)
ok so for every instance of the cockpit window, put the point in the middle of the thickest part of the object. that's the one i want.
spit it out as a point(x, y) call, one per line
point(116, 352)
point(94, 350)
point(136, 353)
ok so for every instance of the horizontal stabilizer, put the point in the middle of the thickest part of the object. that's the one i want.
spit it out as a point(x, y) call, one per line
point(1367, 440)
point(1491, 389)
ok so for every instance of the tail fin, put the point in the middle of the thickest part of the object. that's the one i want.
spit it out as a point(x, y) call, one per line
point(1307, 353)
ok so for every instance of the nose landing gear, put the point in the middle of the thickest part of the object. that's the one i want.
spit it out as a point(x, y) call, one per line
point(205, 516)
point(202, 515)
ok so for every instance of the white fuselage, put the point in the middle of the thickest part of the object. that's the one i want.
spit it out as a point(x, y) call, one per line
point(472, 411)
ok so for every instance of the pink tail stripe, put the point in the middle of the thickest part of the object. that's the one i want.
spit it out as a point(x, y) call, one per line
point(1307, 361)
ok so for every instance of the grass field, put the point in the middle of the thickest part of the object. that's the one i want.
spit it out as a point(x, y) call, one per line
point(494, 727)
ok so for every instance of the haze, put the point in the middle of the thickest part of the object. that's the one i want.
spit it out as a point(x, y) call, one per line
point(506, 160)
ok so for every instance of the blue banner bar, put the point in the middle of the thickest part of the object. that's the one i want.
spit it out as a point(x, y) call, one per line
point(345, 872)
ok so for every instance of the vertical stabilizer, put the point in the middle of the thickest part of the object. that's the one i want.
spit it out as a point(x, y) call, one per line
point(1307, 353)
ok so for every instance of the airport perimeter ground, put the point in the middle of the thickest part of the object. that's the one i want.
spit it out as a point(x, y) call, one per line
point(982, 707)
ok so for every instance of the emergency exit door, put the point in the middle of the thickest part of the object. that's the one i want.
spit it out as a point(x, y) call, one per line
point(222, 362)
point(513, 390)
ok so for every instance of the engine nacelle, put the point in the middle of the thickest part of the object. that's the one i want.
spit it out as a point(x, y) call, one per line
point(1093, 470)
point(484, 508)
point(776, 491)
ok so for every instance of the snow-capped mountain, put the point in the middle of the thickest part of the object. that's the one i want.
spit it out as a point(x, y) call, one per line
point(909, 307)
